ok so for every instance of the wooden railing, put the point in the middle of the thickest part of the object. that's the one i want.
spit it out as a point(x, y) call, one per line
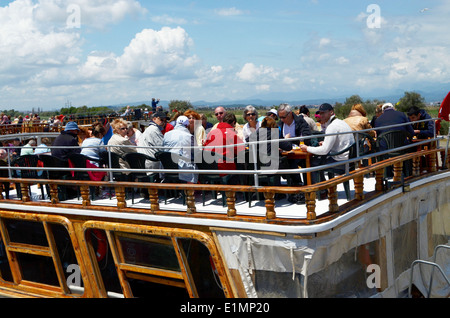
point(39, 127)
point(269, 192)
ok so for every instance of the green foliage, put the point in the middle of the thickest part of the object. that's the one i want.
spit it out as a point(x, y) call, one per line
point(342, 110)
point(408, 100)
point(179, 105)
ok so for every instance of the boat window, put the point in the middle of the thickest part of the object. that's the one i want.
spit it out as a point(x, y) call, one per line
point(5, 269)
point(39, 251)
point(26, 232)
point(347, 277)
point(202, 268)
point(148, 265)
point(404, 247)
point(156, 252)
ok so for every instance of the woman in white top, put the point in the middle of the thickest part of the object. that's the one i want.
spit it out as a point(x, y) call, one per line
point(196, 127)
point(251, 116)
point(119, 139)
point(92, 146)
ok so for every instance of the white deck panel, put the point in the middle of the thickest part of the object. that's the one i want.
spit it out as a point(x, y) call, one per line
point(283, 208)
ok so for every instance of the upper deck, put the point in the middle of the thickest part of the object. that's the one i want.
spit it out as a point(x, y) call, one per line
point(234, 206)
point(380, 215)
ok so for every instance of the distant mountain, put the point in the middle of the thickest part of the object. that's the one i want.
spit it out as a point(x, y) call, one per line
point(432, 94)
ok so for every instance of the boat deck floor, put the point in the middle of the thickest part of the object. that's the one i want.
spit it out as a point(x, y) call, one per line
point(283, 208)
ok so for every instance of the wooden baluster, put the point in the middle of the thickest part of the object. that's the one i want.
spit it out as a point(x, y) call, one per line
point(398, 167)
point(270, 205)
point(231, 203)
point(333, 198)
point(359, 188)
point(85, 195)
point(416, 166)
point(433, 162)
point(25, 194)
point(310, 198)
point(54, 193)
point(120, 195)
point(154, 203)
point(190, 201)
point(379, 174)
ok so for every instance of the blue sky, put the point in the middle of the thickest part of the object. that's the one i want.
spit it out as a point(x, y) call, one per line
point(106, 52)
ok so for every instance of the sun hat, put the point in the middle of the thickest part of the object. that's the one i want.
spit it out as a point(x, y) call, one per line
point(160, 115)
point(387, 106)
point(183, 120)
point(272, 111)
point(71, 125)
point(325, 107)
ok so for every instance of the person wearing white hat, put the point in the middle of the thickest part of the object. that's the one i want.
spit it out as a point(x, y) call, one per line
point(179, 141)
point(389, 117)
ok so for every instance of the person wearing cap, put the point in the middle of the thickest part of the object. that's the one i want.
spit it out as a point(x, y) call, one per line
point(68, 137)
point(250, 116)
point(180, 141)
point(331, 143)
point(391, 116)
point(273, 113)
point(153, 137)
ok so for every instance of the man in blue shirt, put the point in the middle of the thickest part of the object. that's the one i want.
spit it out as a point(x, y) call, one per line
point(154, 104)
point(423, 129)
point(389, 117)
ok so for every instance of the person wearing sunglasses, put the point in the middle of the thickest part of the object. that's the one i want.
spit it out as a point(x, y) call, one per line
point(220, 113)
point(119, 139)
point(251, 117)
point(292, 125)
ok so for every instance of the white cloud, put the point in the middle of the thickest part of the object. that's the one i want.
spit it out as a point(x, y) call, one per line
point(251, 73)
point(25, 45)
point(228, 12)
point(324, 42)
point(150, 53)
point(166, 19)
point(157, 53)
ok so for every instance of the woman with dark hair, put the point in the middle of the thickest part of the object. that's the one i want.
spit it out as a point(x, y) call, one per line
point(92, 146)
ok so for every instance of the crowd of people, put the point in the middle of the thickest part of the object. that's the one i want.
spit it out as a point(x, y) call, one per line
point(183, 133)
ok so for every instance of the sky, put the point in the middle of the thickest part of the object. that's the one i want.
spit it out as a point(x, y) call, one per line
point(109, 52)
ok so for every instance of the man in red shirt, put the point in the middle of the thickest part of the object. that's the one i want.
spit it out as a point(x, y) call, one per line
point(223, 135)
